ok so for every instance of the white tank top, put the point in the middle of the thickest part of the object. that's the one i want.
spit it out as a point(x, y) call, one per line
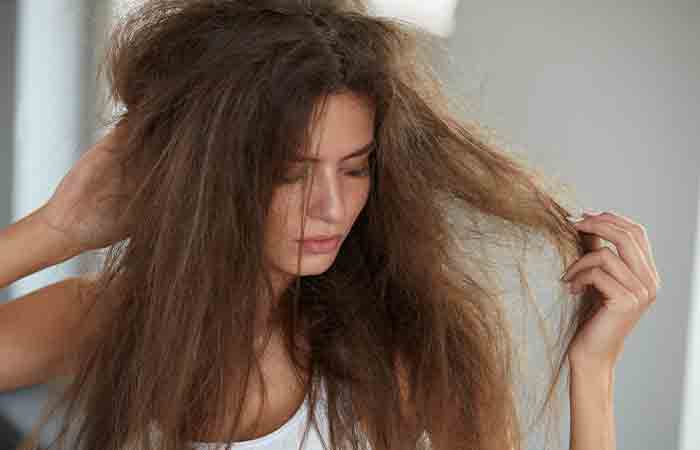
point(289, 435)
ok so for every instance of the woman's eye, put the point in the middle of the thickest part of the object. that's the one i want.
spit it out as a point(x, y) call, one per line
point(363, 172)
point(298, 176)
point(292, 178)
point(295, 176)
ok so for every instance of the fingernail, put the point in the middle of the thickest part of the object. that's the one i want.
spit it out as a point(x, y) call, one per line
point(575, 219)
point(590, 213)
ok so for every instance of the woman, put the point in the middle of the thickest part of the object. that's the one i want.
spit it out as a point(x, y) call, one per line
point(248, 128)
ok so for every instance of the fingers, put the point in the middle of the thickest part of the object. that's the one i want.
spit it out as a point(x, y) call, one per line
point(611, 264)
point(628, 246)
point(638, 232)
point(617, 296)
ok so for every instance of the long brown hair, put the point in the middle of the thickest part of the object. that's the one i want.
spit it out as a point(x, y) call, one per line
point(409, 328)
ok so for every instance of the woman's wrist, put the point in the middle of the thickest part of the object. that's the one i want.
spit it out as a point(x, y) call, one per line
point(592, 407)
point(57, 243)
point(30, 245)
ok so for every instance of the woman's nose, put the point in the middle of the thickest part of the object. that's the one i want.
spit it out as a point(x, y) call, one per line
point(327, 197)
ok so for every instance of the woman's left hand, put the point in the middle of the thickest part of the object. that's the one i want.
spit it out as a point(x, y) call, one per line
point(626, 285)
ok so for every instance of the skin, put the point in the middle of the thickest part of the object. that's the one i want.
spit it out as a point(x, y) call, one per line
point(339, 190)
point(625, 283)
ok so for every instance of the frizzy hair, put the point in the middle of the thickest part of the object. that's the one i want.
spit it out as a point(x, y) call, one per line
point(408, 328)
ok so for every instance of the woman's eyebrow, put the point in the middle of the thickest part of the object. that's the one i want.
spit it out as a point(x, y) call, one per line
point(359, 152)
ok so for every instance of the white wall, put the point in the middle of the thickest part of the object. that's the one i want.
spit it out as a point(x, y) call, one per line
point(436, 16)
point(606, 96)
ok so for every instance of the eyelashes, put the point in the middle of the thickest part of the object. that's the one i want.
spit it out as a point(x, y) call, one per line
point(359, 173)
point(364, 172)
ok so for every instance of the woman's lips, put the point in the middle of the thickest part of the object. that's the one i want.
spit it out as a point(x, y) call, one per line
point(320, 246)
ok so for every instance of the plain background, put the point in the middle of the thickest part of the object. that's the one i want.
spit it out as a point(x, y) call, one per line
point(607, 96)
point(604, 95)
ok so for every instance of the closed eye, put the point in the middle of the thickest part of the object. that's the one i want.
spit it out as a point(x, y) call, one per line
point(364, 172)
point(359, 173)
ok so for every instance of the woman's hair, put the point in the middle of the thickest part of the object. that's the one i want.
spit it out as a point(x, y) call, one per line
point(408, 329)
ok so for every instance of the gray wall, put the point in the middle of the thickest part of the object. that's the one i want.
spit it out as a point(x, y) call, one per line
point(606, 96)
point(8, 36)
point(8, 430)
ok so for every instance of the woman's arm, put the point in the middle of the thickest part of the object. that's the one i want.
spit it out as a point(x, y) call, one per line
point(28, 246)
point(37, 328)
point(591, 403)
point(624, 283)
point(43, 333)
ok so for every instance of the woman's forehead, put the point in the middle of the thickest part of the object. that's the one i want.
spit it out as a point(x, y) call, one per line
point(343, 130)
point(353, 154)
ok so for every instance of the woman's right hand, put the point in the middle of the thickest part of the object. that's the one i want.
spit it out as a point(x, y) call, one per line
point(88, 205)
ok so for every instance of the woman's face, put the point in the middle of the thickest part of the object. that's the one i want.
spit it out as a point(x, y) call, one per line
point(341, 184)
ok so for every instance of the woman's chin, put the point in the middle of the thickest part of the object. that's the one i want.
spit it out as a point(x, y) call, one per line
point(313, 264)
